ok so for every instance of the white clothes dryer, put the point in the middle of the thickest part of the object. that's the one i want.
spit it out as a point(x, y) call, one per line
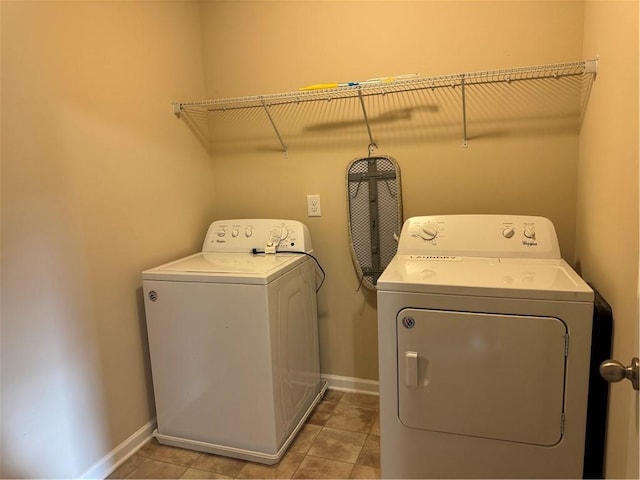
point(233, 340)
point(484, 345)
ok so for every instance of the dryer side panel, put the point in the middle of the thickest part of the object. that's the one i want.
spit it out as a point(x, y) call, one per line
point(483, 375)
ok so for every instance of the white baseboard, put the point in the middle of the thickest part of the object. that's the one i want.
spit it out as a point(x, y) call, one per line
point(351, 385)
point(107, 464)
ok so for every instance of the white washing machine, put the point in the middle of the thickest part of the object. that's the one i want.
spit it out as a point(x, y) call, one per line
point(484, 345)
point(233, 339)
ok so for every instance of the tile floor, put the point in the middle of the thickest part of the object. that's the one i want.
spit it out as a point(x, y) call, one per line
point(340, 440)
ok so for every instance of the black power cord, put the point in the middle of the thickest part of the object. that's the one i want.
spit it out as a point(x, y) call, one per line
point(255, 251)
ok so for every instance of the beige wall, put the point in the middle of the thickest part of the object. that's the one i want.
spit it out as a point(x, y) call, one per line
point(99, 181)
point(522, 154)
point(607, 221)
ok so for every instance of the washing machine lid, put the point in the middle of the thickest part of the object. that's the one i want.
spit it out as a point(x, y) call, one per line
point(543, 279)
point(217, 267)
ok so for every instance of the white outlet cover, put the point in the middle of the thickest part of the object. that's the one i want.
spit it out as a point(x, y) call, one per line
point(313, 206)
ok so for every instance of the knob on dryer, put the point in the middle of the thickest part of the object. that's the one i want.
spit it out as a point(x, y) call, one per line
point(508, 232)
point(530, 232)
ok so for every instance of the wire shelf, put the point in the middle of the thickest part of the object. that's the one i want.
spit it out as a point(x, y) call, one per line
point(401, 85)
point(206, 108)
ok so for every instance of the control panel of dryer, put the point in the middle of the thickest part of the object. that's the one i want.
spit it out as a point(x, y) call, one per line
point(245, 235)
point(504, 236)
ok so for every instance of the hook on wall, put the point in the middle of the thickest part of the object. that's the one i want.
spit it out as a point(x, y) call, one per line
point(177, 109)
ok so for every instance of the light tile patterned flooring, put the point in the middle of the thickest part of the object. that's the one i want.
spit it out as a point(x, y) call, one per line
point(340, 440)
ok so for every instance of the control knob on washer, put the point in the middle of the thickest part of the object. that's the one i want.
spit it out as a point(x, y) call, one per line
point(428, 232)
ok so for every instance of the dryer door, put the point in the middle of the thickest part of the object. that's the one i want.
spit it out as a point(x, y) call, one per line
point(483, 375)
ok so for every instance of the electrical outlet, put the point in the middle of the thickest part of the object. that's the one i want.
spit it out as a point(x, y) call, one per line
point(313, 206)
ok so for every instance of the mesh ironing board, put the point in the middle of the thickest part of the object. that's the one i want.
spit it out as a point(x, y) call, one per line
point(375, 215)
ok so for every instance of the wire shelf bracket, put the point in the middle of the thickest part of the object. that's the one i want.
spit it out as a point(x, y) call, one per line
point(275, 128)
point(465, 142)
point(372, 144)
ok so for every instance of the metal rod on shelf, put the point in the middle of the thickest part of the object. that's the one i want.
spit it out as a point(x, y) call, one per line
point(372, 144)
point(273, 124)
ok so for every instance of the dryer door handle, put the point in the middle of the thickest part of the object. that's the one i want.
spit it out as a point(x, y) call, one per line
point(614, 371)
point(411, 368)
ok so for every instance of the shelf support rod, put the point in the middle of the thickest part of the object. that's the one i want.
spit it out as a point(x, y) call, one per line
point(273, 124)
point(465, 143)
point(372, 144)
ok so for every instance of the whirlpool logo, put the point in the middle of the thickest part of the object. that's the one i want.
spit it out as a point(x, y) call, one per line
point(529, 243)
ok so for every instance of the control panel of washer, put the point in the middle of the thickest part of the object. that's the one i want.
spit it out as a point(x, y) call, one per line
point(503, 236)
point(245, 235)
